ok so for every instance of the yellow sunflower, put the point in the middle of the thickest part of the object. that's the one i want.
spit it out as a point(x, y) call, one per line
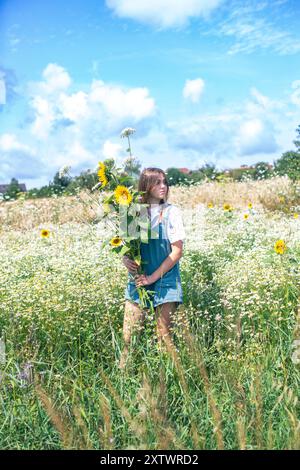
point(250, 205)
point(102, 174)
point(280, 247)
point(296, 216)
point(122, 195)
point(210, 205)
point(246, 216)
point(116, 241)
point(227, 207)
point(45, 233)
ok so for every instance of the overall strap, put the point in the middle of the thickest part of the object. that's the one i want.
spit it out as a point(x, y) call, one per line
point(163, 211)
point(160, 215)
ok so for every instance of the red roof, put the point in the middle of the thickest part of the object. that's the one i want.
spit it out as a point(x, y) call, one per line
point(184, 170)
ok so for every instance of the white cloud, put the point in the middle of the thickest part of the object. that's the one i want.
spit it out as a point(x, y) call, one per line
point(252, 130)
point(9, 143)
point(111, 150)
point(56, 79)
point(44, 117)
point(193, 89)
point(75, 106)
point(78, 128)
point(106, 106)
point(255, 137)
point(83, 127)
point(163, 13)
point(119, 103)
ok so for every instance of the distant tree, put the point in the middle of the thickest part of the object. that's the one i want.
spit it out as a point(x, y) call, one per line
point(297, 141)
point(208, 170)
point(62, 181)
point(175, 176)
point(86, 179)
point(13, 189)
point(132, 167)
point(289, 163)
point(262, 171)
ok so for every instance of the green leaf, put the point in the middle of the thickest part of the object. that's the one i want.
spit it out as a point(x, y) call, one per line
point(137, 259)
point(124, 250)
point(143, 224)
point(109, 199)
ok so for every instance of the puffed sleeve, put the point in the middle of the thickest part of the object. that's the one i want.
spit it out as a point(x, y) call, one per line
point(175, 228)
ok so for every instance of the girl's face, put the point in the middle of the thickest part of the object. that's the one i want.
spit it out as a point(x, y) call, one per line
point(160, 188)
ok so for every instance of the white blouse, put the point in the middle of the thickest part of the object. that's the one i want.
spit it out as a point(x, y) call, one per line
point(173, 219)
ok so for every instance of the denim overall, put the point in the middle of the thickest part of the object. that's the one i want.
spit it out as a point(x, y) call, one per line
point(167, 288)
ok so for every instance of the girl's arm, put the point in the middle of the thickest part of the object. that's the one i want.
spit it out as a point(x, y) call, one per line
point(166, 265)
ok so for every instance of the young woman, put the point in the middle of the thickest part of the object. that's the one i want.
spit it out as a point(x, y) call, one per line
point(160, 258)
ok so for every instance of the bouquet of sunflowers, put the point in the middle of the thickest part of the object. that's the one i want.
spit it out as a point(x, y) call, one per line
point(127, 217)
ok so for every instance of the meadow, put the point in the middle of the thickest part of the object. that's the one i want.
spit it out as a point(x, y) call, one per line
point(232, 379)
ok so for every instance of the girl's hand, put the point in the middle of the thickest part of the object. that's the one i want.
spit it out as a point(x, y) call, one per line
point(131, 265)
point(143, 280)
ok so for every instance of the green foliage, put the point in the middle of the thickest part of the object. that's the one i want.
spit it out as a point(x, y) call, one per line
point(289, 163)
point(13, 189)
point(206, 171)
point(132, 166)
point(175, 176)
point(262, 171)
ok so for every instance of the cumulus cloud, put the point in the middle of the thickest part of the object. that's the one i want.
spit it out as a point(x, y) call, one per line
point(255, 137)
point(55, 80)
point(81, 127)
point(193, 89)
point(119, 103)
point(163, 13)
point(247, 131)
point(9, 143)
point(75, 106)
point(112, 150)
point(105, 106)
point(76, 127)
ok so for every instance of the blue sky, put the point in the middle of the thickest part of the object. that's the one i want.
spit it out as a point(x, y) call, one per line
point(201, 81)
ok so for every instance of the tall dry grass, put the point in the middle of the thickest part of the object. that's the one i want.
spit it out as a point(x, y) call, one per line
point(278, 193)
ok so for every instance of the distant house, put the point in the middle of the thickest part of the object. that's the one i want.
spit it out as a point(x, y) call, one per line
point(186, 171)
point(251, 167)
point(246, 167)
point(4, 187)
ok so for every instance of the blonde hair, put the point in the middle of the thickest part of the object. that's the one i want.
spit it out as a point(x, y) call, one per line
point(148, 180)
